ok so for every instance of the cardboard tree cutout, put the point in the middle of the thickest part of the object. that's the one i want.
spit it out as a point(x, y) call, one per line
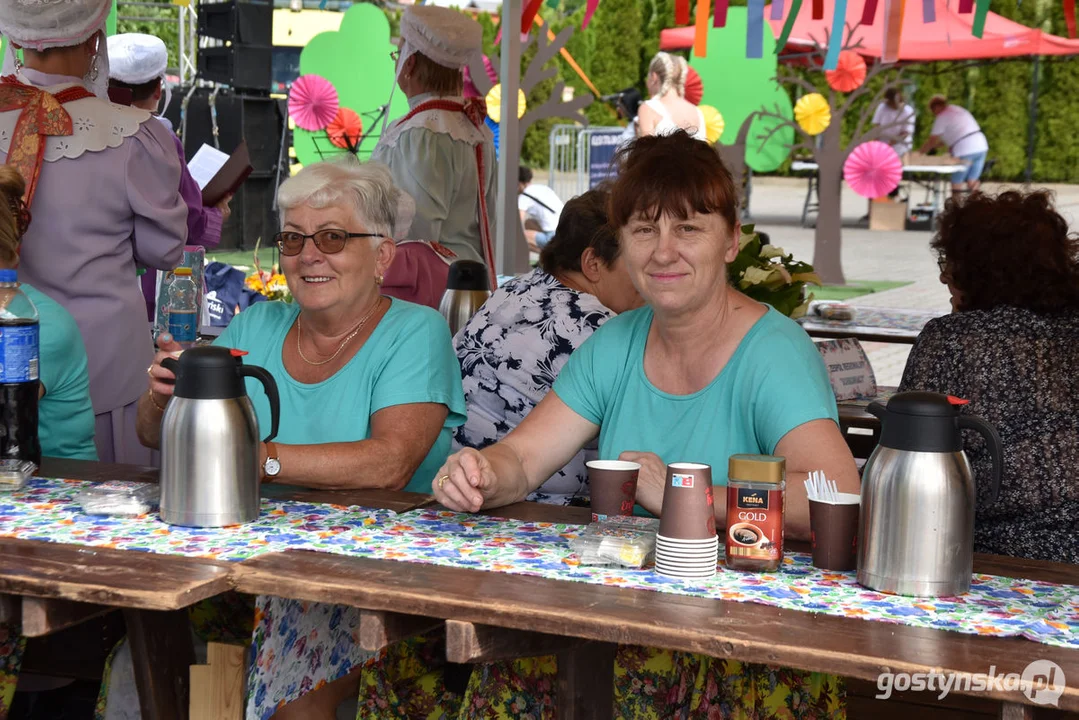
point(540, 69)
point(828, 149)
point(356, 59)
point(739, 87)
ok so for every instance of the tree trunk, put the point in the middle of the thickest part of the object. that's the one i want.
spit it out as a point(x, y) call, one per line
point(828, 238)
point(734, 157)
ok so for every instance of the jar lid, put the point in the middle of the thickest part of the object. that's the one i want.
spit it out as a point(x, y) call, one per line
point(757, 468)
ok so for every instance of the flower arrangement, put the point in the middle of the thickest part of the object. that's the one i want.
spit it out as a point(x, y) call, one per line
point(770, 275)
point(270, 283)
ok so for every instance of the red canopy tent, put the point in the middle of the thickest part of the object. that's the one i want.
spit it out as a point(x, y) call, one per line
point(948, 38)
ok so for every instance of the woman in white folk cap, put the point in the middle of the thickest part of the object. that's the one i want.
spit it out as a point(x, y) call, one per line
point(137, 65)
point(103, 185)
point(441, 153)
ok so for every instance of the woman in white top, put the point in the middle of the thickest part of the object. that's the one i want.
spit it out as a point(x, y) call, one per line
point(667, 111)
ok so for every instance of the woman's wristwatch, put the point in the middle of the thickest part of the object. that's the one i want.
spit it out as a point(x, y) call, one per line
point(272, 467)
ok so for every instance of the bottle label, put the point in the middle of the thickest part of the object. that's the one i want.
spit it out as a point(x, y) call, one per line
point(754, 524)
point(18, 353)
point(182, 325)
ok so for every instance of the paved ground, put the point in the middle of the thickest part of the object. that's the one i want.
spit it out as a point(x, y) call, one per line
point(871, 255)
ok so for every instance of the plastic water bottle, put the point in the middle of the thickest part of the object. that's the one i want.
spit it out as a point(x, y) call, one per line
point(183, 308)
point(19, 383)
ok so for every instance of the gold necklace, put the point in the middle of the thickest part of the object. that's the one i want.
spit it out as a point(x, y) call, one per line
point(344, 342)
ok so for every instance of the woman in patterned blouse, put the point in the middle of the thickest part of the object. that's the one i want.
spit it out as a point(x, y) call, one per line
point(1012, 349)
point(512, 349)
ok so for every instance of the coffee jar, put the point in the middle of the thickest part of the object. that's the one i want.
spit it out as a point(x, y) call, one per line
point(756, 485)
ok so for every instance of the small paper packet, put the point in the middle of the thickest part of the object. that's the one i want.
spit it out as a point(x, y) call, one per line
point(119, 498)
point(628, 542)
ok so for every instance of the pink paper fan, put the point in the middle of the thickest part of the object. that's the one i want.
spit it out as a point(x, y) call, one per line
point(312, 102)
point(873, 169)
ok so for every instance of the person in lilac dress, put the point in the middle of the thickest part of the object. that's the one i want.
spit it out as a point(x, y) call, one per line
point(104, 193)
point(137, 64)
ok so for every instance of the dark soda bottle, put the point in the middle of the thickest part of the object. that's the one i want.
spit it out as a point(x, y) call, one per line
point(19, 383)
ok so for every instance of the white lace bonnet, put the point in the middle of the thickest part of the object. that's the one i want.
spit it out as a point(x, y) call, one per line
point(43, 24)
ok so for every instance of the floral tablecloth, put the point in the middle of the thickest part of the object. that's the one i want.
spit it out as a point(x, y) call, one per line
point(996, 606)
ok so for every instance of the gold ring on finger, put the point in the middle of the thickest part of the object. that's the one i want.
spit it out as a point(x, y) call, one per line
point(442, 480)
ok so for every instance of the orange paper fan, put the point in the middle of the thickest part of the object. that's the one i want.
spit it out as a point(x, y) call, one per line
point(849, 73)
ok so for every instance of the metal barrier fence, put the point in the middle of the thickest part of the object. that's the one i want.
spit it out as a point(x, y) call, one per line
point(581, 157)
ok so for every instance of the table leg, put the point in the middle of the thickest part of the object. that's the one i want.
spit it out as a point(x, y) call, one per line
point(586, 682)
point(809, 197)
point(162, 652)
point(1016, 711)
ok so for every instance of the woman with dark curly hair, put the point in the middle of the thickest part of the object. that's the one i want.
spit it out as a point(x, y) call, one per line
point(1012, 349)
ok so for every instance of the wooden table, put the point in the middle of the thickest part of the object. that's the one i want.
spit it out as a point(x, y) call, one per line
point(886, 325)
point(486, 615)
point(932, 177)
point(52, 586)
point(490, 602)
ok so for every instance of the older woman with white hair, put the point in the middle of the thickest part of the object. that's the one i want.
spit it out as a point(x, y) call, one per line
point(370, 393)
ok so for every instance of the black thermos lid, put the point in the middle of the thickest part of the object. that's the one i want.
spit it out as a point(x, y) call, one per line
point(467, 275)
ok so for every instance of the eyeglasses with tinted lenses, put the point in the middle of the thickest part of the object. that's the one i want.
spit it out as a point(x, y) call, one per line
point(328, 241)
point(395, 55)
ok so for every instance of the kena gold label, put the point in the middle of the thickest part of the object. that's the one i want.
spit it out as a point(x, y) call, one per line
point(752, 499)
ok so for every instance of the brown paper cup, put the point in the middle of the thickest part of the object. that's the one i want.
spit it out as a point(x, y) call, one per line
point(688, 507)
point(833, 532)
point(613, 486)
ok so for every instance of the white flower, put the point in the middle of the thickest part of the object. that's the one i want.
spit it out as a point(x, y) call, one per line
point(755, 276)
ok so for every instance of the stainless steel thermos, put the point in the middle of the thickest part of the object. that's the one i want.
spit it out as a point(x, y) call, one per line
point(917, 524)
point(210, 439)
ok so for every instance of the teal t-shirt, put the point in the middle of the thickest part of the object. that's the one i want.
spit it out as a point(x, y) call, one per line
point(409, 358)
point(774, 382)
point(65, 415)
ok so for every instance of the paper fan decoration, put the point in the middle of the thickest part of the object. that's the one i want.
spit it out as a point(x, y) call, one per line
point(346, 129)
point(713, 123)
point(489, 67)
point(849, 73)
point(494, 103)
point(493, 126)
point(812, 113)
point(694, 87)
point(312, 102)
point(873, 169)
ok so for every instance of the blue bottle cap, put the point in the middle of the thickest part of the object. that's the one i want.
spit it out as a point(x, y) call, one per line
point(9, 276)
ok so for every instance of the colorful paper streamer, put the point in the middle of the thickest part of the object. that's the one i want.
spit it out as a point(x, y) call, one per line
point(980, 14)
point(755, 29)
point(681, 12)
point(700, 34)
point(835, 40)
point(589, 11)
point(720, 16)
point(530, 11)
point(893, 29)
point(929, 11)
point(818, 9)
point(869, 12)
point(796, 6)
point(1069, 17)
point(777, 10)
point(966, 7)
